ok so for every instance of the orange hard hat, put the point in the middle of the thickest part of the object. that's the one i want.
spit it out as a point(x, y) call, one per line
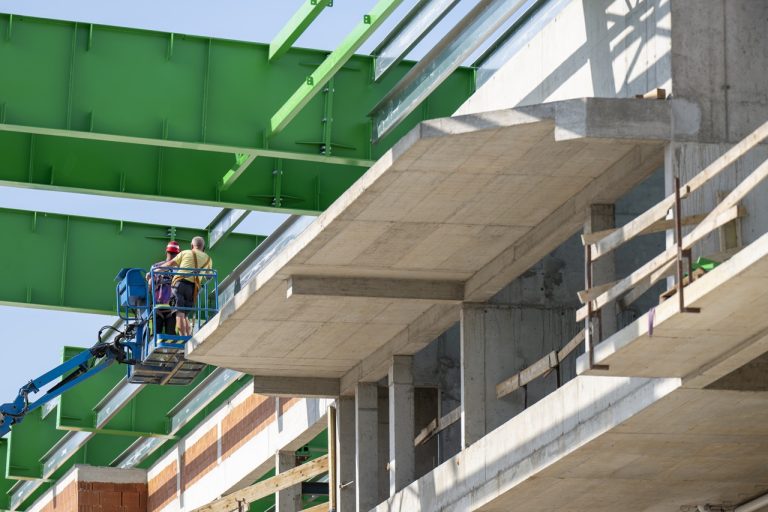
point(172, 247)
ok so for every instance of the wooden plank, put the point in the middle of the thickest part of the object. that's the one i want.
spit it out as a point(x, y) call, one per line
point(716, 218)
point(656, 227)
point(436, 426)
point(659, 211)
point(426, 432)
point(637, 292)
point(269, 486)
point(725, 207)
point(570, 346)
point(520, 379)
point(655, 94)
point(591, 294)
point(539, 368)
point(508, 386)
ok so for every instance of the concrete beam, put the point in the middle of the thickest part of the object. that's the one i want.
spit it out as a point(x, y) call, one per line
point(310, 387)
point(289, 499)
point(367, 445)
point(371, 287)
point(401, 424)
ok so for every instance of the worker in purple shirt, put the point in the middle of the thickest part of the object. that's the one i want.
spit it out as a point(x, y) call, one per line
point(163, 293)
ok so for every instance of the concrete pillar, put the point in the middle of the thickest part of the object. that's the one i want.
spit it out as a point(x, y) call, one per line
point(287, 500)
point(345, 454)
point(367, 445)
point(496, 342)
point(601, 217)
point(473, 396)
point(401, 424)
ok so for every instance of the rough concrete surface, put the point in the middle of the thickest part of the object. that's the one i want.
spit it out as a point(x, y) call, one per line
point(472, 199)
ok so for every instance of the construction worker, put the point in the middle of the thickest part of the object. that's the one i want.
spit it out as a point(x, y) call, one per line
point(185, 287)
point(163, 293)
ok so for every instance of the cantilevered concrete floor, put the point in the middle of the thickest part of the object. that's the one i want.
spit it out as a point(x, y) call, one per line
point(453, 212)
point(730, 330)
point(603, 444)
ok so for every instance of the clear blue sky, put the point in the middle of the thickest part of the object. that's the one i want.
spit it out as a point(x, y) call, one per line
point(31, 339)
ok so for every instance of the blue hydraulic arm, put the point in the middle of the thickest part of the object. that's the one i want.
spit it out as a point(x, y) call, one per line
point(72, 372)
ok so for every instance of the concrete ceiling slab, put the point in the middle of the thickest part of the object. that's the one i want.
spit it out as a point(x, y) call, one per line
point(473, 199)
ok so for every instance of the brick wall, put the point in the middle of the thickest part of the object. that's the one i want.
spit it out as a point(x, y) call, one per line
point(200, 458)
point(163, 487)
point(64, 501)
point(81, 496)
point(200, 455)
point(111, 497)
point(245, 421)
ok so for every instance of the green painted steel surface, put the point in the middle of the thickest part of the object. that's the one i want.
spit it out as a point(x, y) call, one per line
point(160, 116)
point(71, 262)
point(315, 82)
point(27, 445)
point(5, 483)
point(296, 26)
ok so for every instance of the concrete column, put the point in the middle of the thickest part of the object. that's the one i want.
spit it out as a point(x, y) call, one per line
point(473, 396)
point(496, 342)
point(601, 217)
point(401, 424)
point(345, 454)
point(287, 500)
point(367, 444)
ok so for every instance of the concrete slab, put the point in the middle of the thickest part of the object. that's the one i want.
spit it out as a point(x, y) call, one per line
point(607, 444)
point(471, 201)
point(730, 330)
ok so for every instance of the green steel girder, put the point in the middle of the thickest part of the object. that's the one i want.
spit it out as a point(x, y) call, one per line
point(161, 116)
point(296, 26)
point(315, 82)
point(5, 483)
point(26, 446)
point(144, 415)
point(70, 263)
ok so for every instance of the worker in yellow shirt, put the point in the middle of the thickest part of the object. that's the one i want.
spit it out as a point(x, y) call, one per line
point(185, 288)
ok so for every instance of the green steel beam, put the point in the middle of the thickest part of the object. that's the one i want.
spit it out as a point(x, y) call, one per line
point(70, 263)
point(153, 115)
point(5, 483)
point(296, 26)
point(314, 83)
point(26, 446)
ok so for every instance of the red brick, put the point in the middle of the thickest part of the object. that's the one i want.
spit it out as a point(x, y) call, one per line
point(130, 499)
point(110, 500)
point(162, 488)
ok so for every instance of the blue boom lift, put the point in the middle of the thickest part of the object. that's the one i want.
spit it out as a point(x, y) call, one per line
point(152, 357)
